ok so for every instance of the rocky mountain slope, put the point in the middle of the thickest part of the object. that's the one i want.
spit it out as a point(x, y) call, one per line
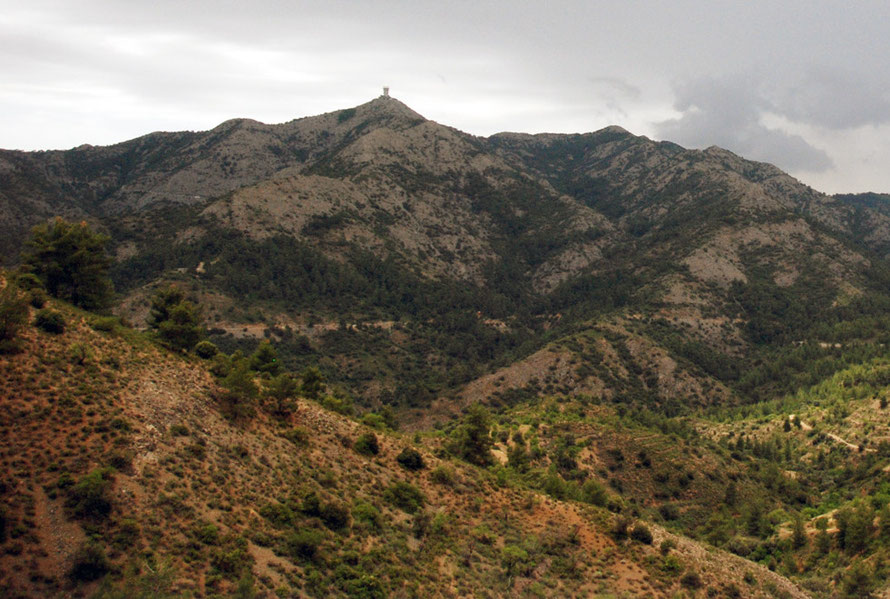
point(471, 252)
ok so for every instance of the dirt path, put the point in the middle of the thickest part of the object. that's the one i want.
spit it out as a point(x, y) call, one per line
point(841, 440)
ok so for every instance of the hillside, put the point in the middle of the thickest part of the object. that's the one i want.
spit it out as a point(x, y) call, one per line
point(120, 462)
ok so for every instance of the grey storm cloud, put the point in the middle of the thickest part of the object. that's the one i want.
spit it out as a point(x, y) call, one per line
point(729, 113)
point(834, 98)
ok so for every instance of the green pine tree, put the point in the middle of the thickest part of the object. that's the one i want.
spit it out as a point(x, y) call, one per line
point(71, 262)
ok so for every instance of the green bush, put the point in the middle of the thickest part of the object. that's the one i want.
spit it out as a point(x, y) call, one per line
point(404, 496)
point(338, 403)
point(278, 514)
point(335, 516)
point(443, 476)
point(642, 534)
point(367, 444)
point(410, 459)
point(691, 580)
point(88, 498)
point(28, 281)
point(472, 440)
point(280, 392)
point(303, 544)
point(313, 383)
point(205, 349)
point(37, 298)
point(367, 514)
point(240, 391)
point(619, 528)
point(105, 324)
point(516, 560)
point(89, 563)
point(50, 321)
point(298, 435)
point(13, 314)
point(79, 353)
point(594, 493)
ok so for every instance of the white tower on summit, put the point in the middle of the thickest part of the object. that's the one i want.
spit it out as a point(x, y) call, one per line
point(385, 91)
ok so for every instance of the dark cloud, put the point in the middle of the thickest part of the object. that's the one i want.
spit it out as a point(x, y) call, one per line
point(728, 113)
point(831, 97)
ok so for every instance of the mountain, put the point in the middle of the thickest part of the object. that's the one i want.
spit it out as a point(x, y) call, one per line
point(408, 258)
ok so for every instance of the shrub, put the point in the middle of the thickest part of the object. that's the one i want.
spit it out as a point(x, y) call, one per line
point(691, 580)
point(594, 493)
point(278, 514)
point(298, 435)
point(619, 528)
point(410, 459)
point(405, 496)
point(516, 560)
point(37, 298)
point(13, 314)
point(303, 544)
point(220, 365)
point(128, 531)
point(105, 324)
point(50, 321)
point(443, 476)
point(642, 534)
point(28, 281)
point(367, 514)
point(207, 533)
point(335, 516)
point(89, 497)
point(367, 444)
point(89, 563)
point(240, 391)
point(206, 349)
point(671, 565)
point(668, 511)
point(79, 354)
point(313, 383)
point(338, 403)
point(311, 504)
point(232, 557)
point(374, 420)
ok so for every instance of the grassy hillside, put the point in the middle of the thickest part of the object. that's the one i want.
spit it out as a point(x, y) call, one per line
point(123, 474)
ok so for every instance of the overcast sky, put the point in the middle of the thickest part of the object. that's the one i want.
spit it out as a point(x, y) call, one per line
point(804, 85)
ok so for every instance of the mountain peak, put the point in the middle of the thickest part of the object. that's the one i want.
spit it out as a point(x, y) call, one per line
point(387, 107)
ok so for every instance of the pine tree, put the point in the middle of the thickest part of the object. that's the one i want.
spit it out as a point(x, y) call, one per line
point(71, 262)
point(472, 440)
point(265, 359)
point(176, 319)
